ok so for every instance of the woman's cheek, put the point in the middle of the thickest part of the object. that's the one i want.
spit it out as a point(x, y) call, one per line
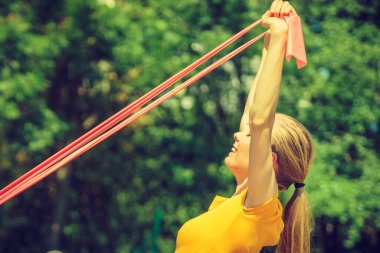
point(245, 156)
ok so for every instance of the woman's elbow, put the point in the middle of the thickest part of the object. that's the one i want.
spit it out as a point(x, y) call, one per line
point(258, 122)
point(258, 118)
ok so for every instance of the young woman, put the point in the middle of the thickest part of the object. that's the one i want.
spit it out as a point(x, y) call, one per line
point(271, 152)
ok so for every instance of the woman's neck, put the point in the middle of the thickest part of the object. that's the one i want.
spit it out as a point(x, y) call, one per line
point(241, 184)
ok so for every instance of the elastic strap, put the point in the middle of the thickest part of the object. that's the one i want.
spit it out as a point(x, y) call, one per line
point(96, 135)
point(119, 120)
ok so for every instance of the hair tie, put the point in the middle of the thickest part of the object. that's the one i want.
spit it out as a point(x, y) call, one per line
point(299, 185)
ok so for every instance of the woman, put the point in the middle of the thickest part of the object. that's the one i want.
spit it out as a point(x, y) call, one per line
point(271, 152)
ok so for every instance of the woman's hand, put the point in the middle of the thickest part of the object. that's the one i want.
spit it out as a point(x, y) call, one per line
point(272, 19)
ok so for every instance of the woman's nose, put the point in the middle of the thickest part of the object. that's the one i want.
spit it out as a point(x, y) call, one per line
point(236, 136)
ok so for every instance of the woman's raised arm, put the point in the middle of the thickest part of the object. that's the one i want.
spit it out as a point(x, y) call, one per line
point(262, 183)
point(244, 123)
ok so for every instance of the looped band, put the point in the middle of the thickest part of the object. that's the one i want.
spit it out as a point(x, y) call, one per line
point(295, 48)
point(299, 185)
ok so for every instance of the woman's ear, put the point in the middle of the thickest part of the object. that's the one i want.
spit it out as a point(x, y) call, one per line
point(274, 157)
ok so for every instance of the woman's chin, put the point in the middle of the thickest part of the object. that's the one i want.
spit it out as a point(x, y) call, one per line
point(228, 162)
point(231, 163)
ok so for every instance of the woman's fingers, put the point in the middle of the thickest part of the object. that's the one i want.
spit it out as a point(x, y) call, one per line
point(276, 8)
point(272, 7)
point(285, 9)
point(266, 14)
point(292, 10)
point(281, 8)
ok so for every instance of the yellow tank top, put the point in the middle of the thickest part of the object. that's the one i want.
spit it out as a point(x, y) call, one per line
point(229, 227)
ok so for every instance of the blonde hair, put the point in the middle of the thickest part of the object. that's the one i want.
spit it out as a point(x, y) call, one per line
point(294, 148)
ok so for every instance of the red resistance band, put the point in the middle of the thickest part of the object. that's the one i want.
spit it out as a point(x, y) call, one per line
point(119, 120)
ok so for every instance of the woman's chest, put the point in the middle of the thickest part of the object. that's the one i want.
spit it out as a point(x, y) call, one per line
point(223, 227)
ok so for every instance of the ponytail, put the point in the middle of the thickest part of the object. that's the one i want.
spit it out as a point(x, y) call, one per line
point(294, 147)
point(298, 222)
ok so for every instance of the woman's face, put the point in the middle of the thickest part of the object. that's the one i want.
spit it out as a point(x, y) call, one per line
point(238, 158)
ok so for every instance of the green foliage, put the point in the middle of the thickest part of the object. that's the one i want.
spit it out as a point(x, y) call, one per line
point(67, 65)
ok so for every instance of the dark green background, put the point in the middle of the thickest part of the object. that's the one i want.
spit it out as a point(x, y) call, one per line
point(67, 65)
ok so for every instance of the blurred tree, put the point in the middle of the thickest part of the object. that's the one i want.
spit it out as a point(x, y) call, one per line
point(67, 65)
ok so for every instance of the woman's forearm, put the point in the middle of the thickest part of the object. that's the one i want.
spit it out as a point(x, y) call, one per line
point(244, 123)
point(267, 92)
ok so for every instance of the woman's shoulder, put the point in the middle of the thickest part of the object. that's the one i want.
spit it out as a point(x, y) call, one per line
point(217, 201)
point(271, 207)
